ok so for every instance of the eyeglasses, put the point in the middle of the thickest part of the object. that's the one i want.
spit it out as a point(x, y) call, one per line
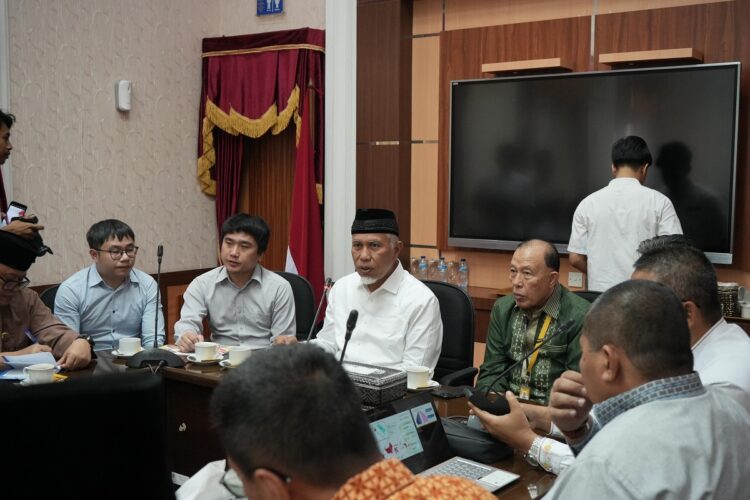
point(116, 253)
point(231, 481)
point(15, 284)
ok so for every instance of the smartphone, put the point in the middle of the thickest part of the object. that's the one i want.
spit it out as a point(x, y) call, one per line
point(15, 209)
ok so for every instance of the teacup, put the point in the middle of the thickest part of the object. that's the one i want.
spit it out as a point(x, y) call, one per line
point(206, 351)
point(129, 346)
point(40, 373)
point(239, 353)
point(417, 376)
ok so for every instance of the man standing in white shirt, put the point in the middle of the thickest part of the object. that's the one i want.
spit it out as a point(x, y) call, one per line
point(245, 303)
point(609, 224)
point(399, 317)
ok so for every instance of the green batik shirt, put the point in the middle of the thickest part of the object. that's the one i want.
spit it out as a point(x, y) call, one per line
point(507, 342)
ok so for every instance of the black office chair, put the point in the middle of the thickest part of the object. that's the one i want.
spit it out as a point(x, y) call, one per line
point(589, 295)
point(456, 364)
point(48, 297)
point(304, 303)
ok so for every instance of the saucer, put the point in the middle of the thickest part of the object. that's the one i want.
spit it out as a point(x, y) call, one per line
point(121, 355)
point(191, 358)
point(431, 384)
point(226, 364)
point(28, 382)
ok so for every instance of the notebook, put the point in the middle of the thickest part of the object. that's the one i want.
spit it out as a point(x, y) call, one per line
point(410, 430)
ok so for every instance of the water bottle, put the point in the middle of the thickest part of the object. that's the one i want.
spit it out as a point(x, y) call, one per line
point(422, 269)
point(463, 274)
point(442, 271)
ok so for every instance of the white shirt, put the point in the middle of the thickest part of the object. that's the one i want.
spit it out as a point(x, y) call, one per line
point(252, 315)
point(609, 224)
point(399, 323)
point(722, 356)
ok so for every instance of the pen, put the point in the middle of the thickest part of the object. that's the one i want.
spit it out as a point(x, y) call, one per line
point(30, 335)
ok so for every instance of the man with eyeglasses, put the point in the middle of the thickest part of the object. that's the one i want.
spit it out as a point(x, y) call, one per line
point(110, 299)
point(27, 326)
point(538, 305)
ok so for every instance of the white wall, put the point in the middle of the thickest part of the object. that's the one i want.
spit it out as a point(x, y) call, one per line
point(77, 160)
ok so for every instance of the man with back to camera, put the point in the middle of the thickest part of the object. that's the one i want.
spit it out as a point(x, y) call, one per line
point(399, 320)
point(658, 432)
point(538, 305)
point(322, 447)
point(609, 224)
point(27, 325)
point(110, 299)
point(246, 304)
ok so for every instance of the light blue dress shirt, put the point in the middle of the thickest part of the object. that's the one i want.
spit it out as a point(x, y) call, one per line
point(88, 305)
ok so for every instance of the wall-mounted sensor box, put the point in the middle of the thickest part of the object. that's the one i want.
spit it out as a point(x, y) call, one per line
point(122, 95)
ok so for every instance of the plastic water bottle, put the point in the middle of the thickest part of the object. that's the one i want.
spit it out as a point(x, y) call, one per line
point(463, 274)
point(422, 270)
point(442, 271)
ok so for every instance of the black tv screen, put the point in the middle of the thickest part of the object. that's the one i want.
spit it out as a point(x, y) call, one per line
point(524, 151)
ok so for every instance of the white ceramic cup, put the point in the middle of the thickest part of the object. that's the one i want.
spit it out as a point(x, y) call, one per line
point(417, 376)
point(129, 346)
point(40, 373)
point(205, 351)
point(239, 353)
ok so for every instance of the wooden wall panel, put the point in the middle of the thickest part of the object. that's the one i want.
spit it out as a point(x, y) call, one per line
point(428, 16)
point(613, 6)
point(267, 180)
point(463, 52)
point(378, 55)
point(423, 193)
point(460, 14)
point(425, 79)
point(384, 67)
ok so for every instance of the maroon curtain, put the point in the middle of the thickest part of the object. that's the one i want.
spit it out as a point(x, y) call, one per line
point(253, 84)
point(229, 150)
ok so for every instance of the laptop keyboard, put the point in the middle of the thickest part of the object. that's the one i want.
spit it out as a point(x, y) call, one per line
point(458, 468)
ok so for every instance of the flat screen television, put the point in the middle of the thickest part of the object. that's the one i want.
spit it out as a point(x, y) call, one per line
point(524, 151)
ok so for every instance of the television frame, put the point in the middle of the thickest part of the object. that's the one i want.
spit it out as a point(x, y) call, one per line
point(492, 244)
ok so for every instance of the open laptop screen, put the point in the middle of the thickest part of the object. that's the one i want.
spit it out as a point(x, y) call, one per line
point(410, 429)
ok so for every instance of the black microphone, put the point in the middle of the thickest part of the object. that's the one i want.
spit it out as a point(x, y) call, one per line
point(350, 324)
point(156, 356)
point(500, 405)
point(327, 286)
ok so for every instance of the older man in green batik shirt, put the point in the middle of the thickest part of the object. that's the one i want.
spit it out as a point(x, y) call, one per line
point(538, 305)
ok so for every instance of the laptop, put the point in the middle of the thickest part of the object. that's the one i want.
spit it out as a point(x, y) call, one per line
point(410, 430)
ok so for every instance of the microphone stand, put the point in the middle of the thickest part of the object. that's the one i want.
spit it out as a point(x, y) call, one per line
point(155, 356)
point(326, 287)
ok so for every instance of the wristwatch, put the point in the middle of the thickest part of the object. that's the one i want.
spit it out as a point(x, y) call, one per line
point(90, 340)
point(533, 453)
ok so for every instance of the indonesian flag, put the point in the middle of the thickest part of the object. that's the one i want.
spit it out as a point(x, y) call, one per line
point(305, 253)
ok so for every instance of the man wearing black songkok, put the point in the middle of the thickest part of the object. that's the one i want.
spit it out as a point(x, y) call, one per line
point(399, 317)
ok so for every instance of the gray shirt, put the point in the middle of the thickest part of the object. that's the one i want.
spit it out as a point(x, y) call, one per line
point(251, 315)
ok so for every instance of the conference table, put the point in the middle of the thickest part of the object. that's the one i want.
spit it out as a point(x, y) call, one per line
point(193, 443)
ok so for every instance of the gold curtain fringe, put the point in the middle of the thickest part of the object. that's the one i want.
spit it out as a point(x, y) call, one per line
point(319, 190)
point(234, 123)
point(292, 105)
point(207, 159)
